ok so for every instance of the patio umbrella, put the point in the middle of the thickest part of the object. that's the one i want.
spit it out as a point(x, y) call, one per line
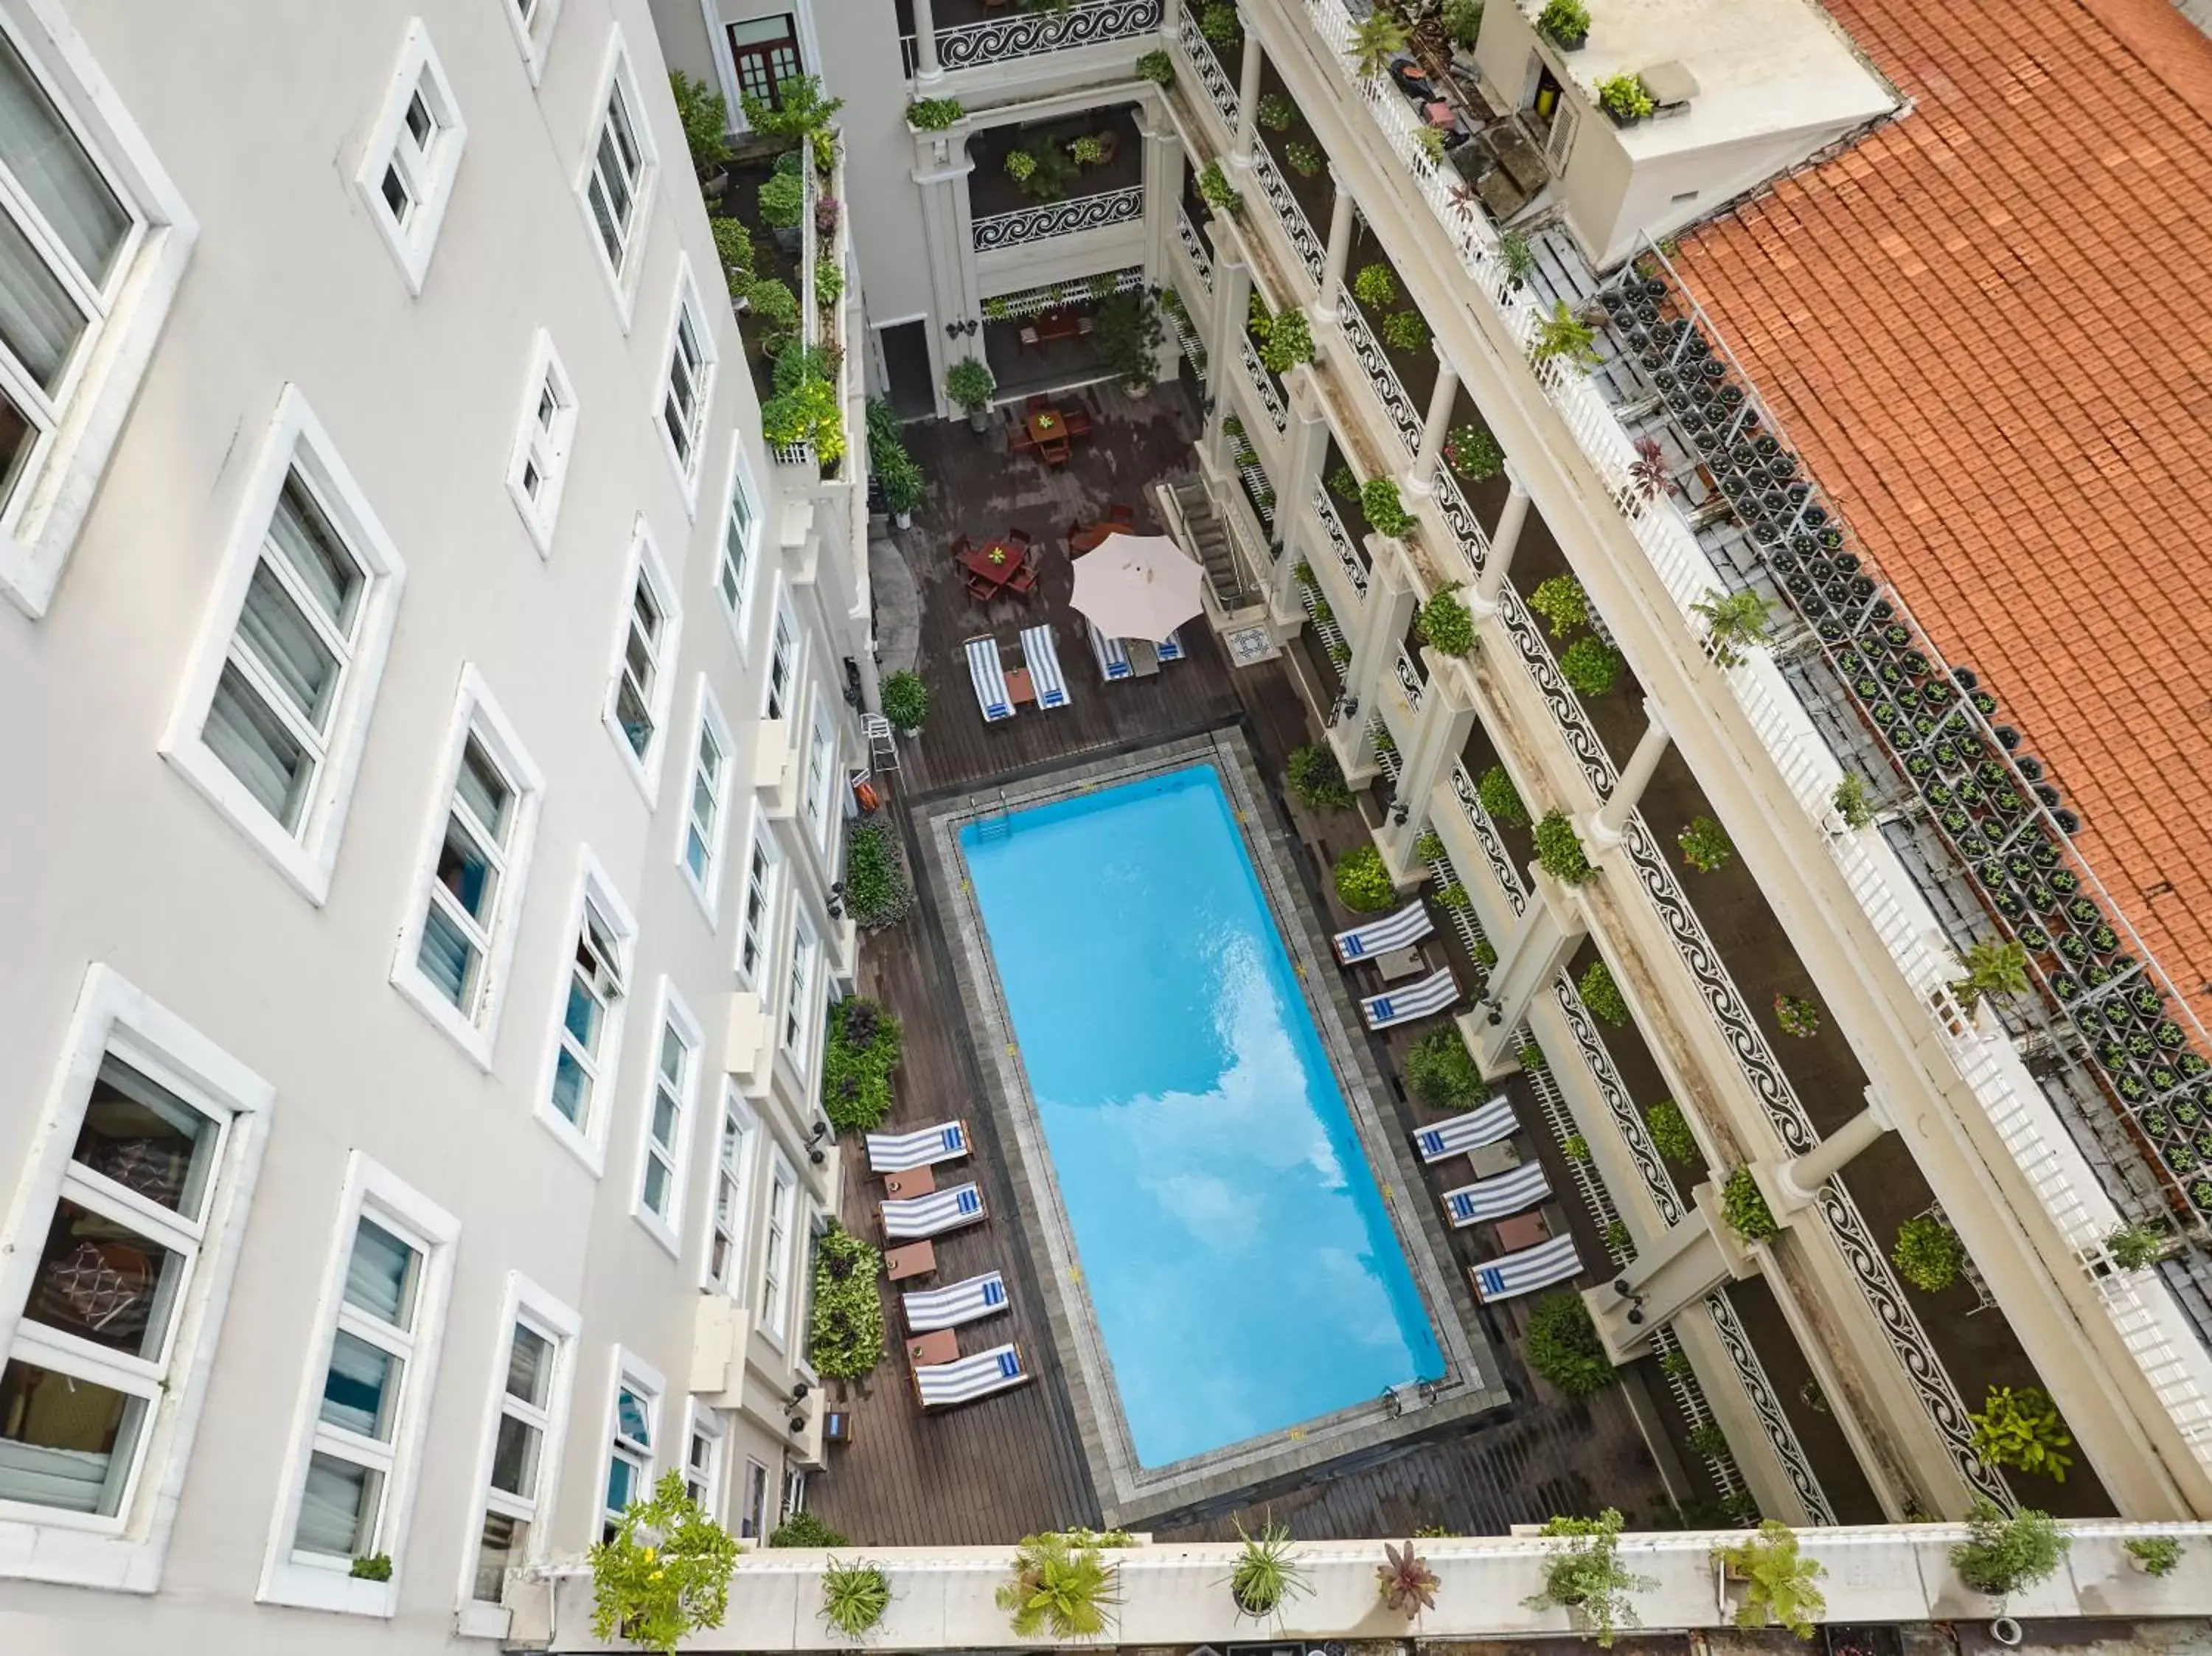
point(1136, 586)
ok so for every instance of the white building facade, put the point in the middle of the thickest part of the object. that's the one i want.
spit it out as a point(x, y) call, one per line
point(427, 772)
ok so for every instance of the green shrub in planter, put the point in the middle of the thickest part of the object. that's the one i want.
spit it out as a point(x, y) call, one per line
point(1796, 1015)
point(664, 1574)
point(1276, 113)
point(933, 115)
point(853, 1598)
point(1217, 192)
point(1601, 995)
point(1453, 895)
point(1564, 1347)
point(1575, 1147)
point(1303, 159)
point(1559, 852)
point(1315, 778)
point(906, 701)
point(1404, 331)
point(1625, 98)
point(733, 245)
point(772, 313)
point(1561, 601)
point(1778, 1580)
point(1485, 953)
point(372, 1567)
point(1928, 1253)
point(1374, 287)
point(1706, 845)
point(1745, 1209)
point(845, 1336)
point(2155, 1555)
point(968, 384)
point(2002, 1554)
point(1462, 23)
point(1473, 454)
point(1854, 800)
point(782, 201)
point(2134, 1247)
point(1500, 799)
point(1447, 625)
point(1379, 504)
point(804, 1529)
point(1062, 1587)
point(1440, 1072)
point(1706, 1441)
point(1289, 339)
point(2021, 1429)
point(1342, 484)
point(1267, 1572)
point(1217, 23)
point(1617, 1238)
point(876, 893)
point(1530, 1056)
point(1430, 847)
point(1562, 335)
point(1158, 68)
point(904, 483)
point(1566, 22)
point(1375, 40)
point(863, 1047)
point(1670, 1133)
point(1590, 666)
point(1588, 1579)
point(1363, 881)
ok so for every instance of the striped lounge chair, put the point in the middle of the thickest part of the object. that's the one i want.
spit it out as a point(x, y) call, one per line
point(1042, 656)
point(961, 1302)
point(1493, 1198)
point(1430, 996)
point(989, 675)
point(1524, 1272)
point(1442, 1140)
point(910, 1216)
point(943, 1385)
point(925, 1147)
point(1113, 659)
point(1406, 927)
point(1171, 648)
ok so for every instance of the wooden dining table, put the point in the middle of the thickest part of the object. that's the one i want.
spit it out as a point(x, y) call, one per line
point(997, 569)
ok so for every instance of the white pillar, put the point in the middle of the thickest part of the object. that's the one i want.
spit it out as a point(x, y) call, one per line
point(1503, 539)
point(1248, 102)
point(1651, 747)
point(1440, 732)
point(1232, 296)
point(1338, 247)
point(1441, 399)
point(1375, 637)
point(925, 44)
point(1801, 1176)
point(1527, 960)
point(1307, 443)
point(1164, 167)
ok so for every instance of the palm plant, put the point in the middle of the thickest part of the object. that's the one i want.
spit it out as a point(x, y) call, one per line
point(1057, 1588)
point(1735, 622)
point(853, 1597)
point(1407, 1583)
point(1996, 970)
point(1375, 40)
point(1563, 335)
point(1267, 1572)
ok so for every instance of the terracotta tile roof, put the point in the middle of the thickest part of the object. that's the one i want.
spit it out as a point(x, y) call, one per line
point(1987, 325)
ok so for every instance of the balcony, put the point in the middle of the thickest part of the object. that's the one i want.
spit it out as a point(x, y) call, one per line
point(1049, 180)
point(973, 34)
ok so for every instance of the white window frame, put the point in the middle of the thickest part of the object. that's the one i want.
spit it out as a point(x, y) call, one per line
point(125, 1552)
point(687, 454)
point(759, 1515)
point(633, 1372)
point(819, 788)
point(525, 1303)
point(776, 1296)
point(795, 1038)
point(310, 1581)
point(546, 451)
point(669, 1013)
point(533, 34)
point(475, 713)
point(737, 1167)
point(757, 933)
point(780, 690)
point(645, 565)
point(701, 1421)
point(596, 889)
point(295, 440)
point(617, 76)
point(707, 724)
point(426, 173)
point(738, 555)
point(78, 430)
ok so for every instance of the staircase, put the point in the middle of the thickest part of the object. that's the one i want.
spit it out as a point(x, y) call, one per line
point(1206, 537)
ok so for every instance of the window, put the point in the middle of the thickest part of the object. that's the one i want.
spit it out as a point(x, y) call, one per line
point(457, 944)
point(531, 1367)
point(413, 151)
point(363, 1413)
point(273, 714)
point(765, 51)
point(619, 174)
point(690, 383)
point(94, 242)
point(733, 576)
point(702, 1460)
point(637, 704)
point(797, 1013)
point(539, 465)
point(752, 1521)
point(775, 1262)
point(821, 770)
point(636, 1419)
point(588, 1029)
point(760, 899)
point(113, 1274)
point(670, 1092)
point(699, 847)
point(733, 1180)
point(782, 660)
point(533, 21)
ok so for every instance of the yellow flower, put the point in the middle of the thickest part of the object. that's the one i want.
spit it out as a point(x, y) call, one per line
point(656, 1576)
point(651, 1553)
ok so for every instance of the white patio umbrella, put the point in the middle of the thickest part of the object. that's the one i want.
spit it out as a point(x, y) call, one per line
point(1136, 586)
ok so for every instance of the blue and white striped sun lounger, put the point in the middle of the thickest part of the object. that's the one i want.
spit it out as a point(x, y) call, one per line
point(962, 1302)
point(989, 673)
point(1532, 1268)
point(1407, 926)
point(1425, 999)
point(1493, 1198)
point(941, 1385)
point(1113, 659)
point(933, 1215)
point(1042, 656)
point(1171, 648)
point(925, 1147)
point(1491, 1124)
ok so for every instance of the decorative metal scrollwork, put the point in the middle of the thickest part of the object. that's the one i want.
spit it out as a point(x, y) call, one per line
point(1760, 1390)
point(1059, 218)
point(1193, 244)
point(1486, 835)
point(1355, 569)
point(1649, 1167)
point(1459, 517)
point(1404, 416)
point(1312, 252)
point(1270, 399)
point(1024, 35)
point(1211, 76)
point(1410, 680)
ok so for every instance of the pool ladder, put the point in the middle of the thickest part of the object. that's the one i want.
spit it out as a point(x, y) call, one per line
point(999, 826)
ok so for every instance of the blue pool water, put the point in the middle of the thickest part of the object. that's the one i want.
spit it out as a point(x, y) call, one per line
point(1236, 1248)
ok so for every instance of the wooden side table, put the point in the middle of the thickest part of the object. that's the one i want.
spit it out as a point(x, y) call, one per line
point(914, 1259)
point(917, 1181)
point(940, 1345)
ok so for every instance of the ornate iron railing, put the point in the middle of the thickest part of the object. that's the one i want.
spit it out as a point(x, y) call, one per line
point(1355, 567)
point(1312, 252)
point(1193, 245)
point(1047, 28)
point(1207, 67)
point(1367, 351)
point(1263, 386)
point(1059, 218)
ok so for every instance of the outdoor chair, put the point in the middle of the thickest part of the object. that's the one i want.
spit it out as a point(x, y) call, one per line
point(1024, 579)
point(1119, 513)
point(910, 1216)
point(1018, 539)
point(1039, 404)
point(1077, 422)
point(925, 1147)
point(962, 546)
point(943, 1385)
point(981, 590)
point(1462, 1135)
point(1055, 454)
point(958, 1303)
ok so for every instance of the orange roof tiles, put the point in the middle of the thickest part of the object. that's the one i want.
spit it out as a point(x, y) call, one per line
point(1989, 327)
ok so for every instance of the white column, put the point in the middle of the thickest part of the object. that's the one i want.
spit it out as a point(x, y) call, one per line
point(1163, 189)
point(948, 246)
point(1801, 1176)
point(1503, 539)
point(1440, 732)
point(1232, 296)
point(1248, 103)
point(1307, 443)
point(1651, 747)
point(1376, 638)
point(1339, 248)
point(925, 44)
point(1529, 958)
point(1437, 428)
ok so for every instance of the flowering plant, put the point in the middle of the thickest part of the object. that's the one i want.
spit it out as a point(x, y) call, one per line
point(664, 1574)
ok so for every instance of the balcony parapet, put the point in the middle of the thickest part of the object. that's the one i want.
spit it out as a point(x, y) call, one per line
point(1035, 34)
point(1051, 219)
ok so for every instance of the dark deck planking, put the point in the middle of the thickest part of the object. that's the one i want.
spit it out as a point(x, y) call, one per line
point(997, 1469)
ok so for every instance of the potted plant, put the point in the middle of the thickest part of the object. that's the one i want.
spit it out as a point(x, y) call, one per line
point(1996, 970)
point(1706, 845)
point(1473, 454)
point(1601, 995)
point(933, 115)
point(968, 384)
point(904, 484)
point(1217, 192)
point(1564, 337)
point(1129, 335)
point(1563, 1346)
point(782, 201)
point(1062, 1586)
point(1853, 800)
point(1375, 40)
point(1587, 1577)
point(1745, 1208)
point(1735, 622)
point(664, 1573)
point(1447, 624)
point(706, 118)
point(1928, 1253)
point(1670, 1132)
point(2133, 1247)
point(2153, 1554)
point(2021, 1429)
point(853, 1598)
point(1267, 1572)
point(1442, 1072)
point(1565, 23)
point(1561, 601)
point(1500, 800)
point(376, 1566)
point(1383, 507)
point(1625, 98)
point(1777, 1580)
point(1517, 259)
point(1363, 880)
point(906, 702)
point(1796, 1015)
point(1559, 852)
point(1404, 1580)
point(1314, 780)
point(2002, 1554)
point(1158, 68)
point(1591, 666)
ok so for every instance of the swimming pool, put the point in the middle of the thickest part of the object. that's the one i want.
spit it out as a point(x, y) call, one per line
point(1237, 1255)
